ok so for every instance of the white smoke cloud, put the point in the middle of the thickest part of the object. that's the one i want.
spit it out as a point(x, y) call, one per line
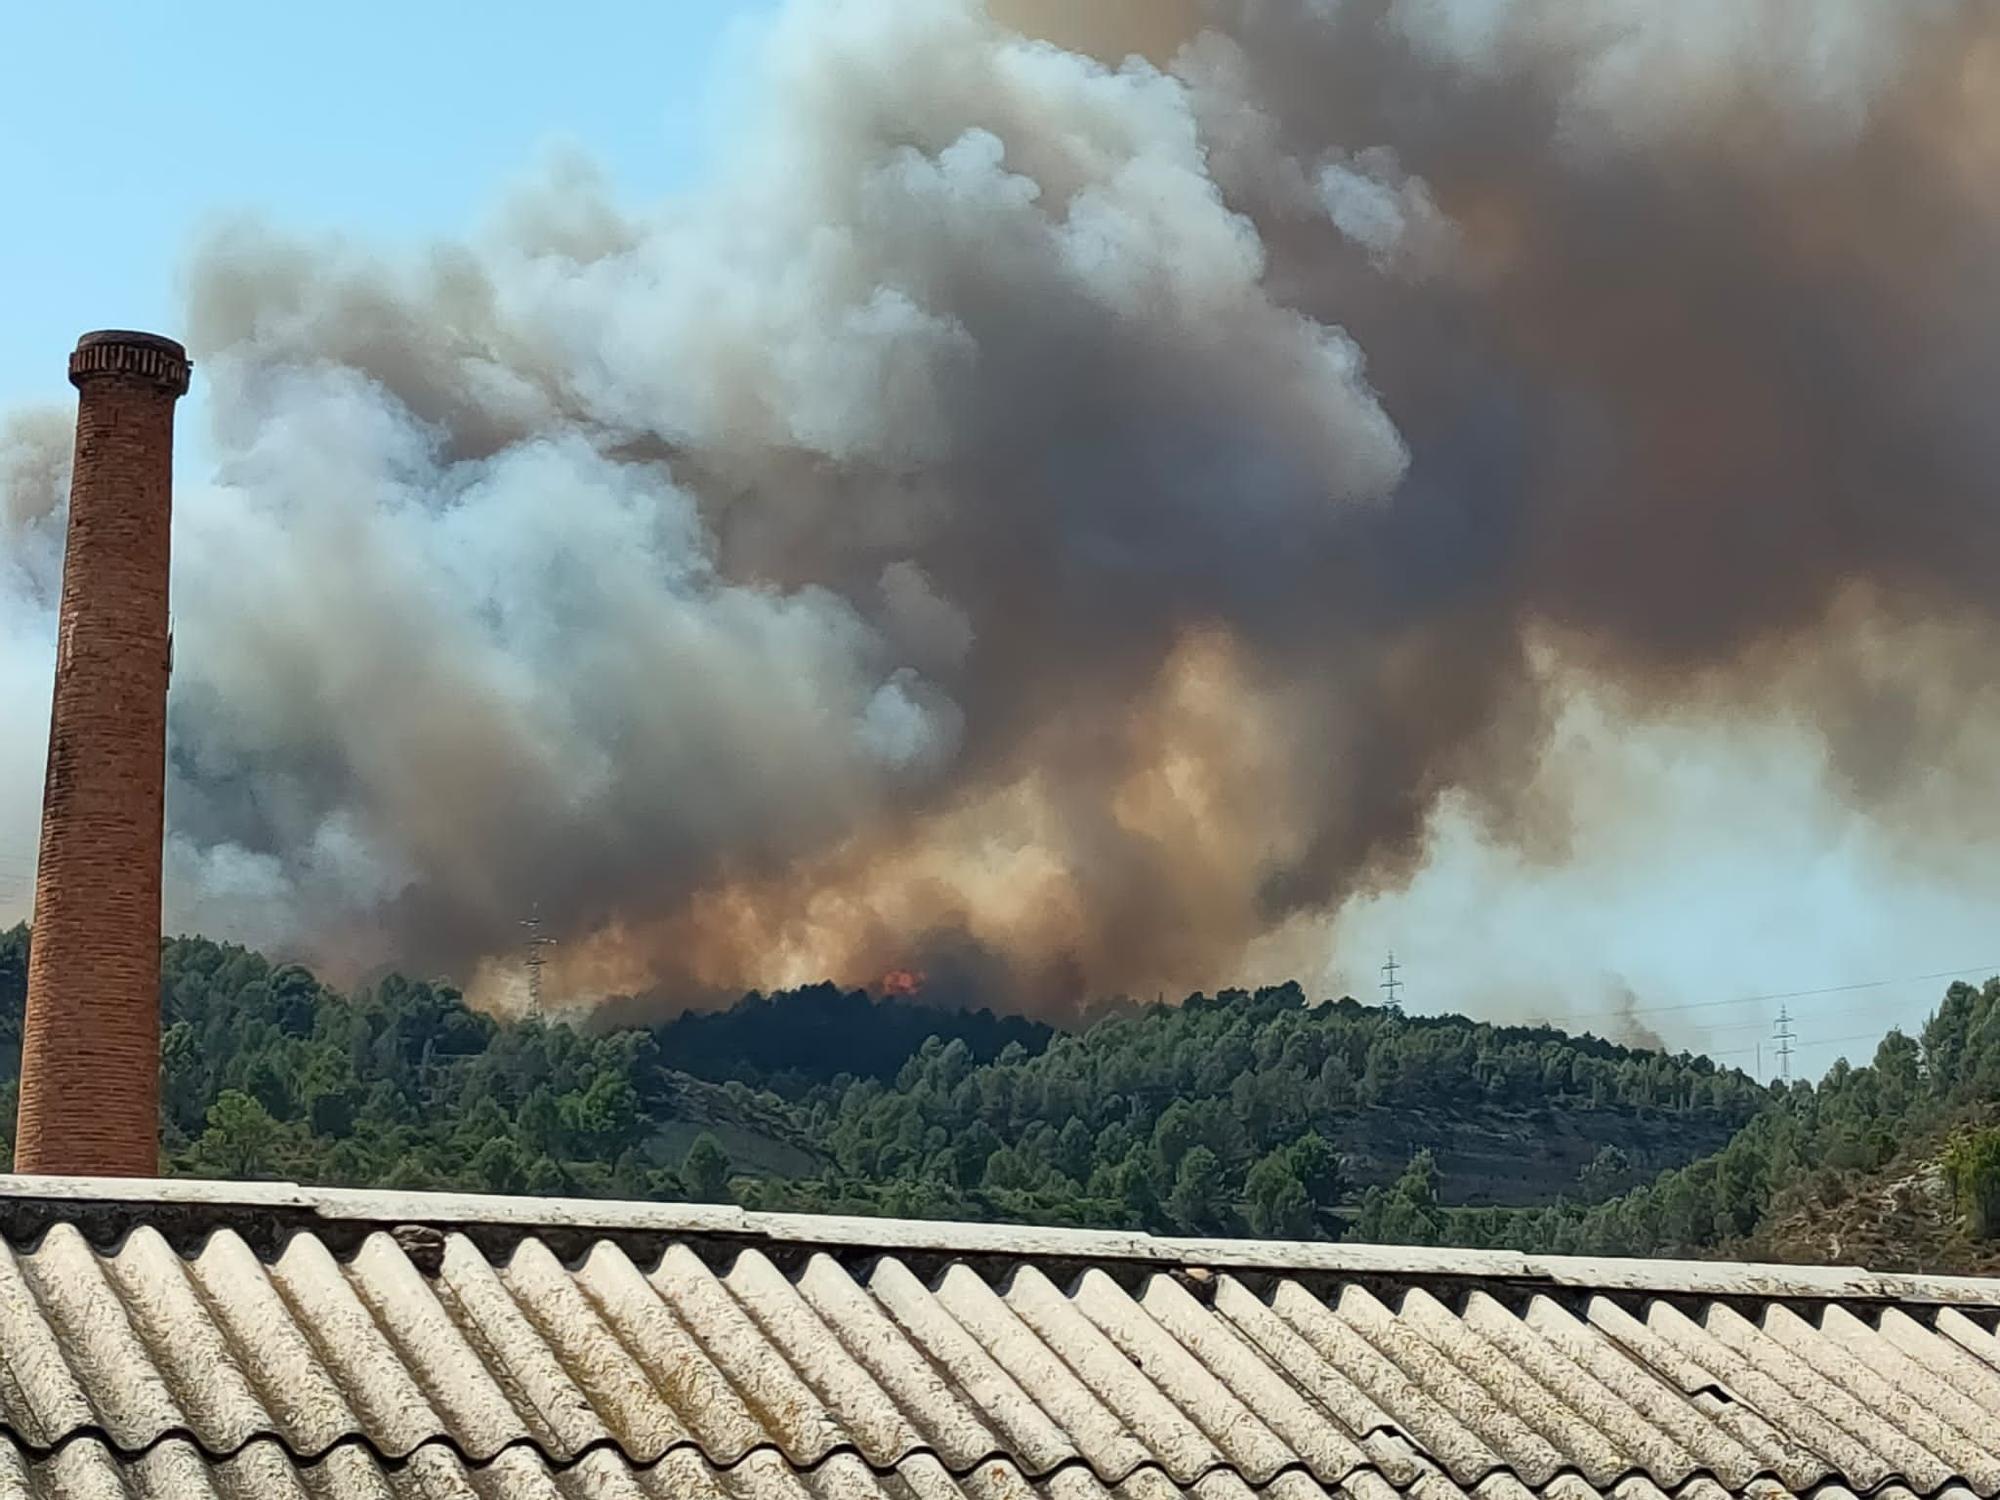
point(1391, 215)
point(34, 487)
point(453, 671)
point(34, 500)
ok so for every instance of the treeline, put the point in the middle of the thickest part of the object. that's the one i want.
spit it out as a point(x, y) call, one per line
point(1231, 1114)
point(268, 1073)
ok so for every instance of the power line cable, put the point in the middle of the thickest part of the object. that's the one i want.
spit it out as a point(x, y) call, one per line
point(1835, 1041)
point(1824, 1041)
point(1843, 1014)
point(1831, 989)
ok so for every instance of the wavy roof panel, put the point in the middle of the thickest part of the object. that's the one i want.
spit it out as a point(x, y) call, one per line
point(393, 1344)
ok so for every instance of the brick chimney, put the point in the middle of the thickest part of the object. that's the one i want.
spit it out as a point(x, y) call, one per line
point(90, 1070)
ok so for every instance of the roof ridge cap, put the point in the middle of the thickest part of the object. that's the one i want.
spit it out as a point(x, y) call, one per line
point(388, 1208)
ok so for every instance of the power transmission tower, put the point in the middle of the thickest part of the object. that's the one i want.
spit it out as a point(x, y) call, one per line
point(537, 945)
point(1786, 1036)
point(1390, 983)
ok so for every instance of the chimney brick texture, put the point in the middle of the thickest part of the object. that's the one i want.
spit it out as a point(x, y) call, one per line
point(90, 1054)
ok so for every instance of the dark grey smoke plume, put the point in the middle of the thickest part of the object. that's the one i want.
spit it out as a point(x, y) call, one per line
point(1060, 517)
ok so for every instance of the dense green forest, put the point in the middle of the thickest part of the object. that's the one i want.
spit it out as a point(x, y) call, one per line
point(1239, 1113)
point(791, 1041)
point(1248, 1113)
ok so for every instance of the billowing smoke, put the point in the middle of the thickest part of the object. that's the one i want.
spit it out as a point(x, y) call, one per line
point(1085, 487)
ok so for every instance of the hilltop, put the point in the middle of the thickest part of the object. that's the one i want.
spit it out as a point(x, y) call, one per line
point(792, 1041)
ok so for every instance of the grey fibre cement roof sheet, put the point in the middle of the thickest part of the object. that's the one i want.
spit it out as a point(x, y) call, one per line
point(179, 1470)
point(594, 1363)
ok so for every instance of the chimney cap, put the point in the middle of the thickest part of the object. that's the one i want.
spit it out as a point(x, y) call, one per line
point(128, 336)
point(122, 351)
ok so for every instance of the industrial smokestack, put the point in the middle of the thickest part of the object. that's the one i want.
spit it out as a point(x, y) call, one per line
point(90, 1049)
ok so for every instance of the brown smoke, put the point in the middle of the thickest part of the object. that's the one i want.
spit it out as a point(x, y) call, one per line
point(1108, 30)
point(1091, 483)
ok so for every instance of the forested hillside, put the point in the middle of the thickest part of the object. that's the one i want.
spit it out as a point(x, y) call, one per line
point(1895, 1165)
point(1261, 1113)
point(1240, 1113)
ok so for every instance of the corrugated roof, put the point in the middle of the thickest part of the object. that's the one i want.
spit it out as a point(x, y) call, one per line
point(175, 1338)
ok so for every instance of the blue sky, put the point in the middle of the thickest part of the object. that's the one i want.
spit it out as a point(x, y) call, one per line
point(121, 136)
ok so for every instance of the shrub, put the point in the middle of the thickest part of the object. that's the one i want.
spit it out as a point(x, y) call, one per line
point(1974, 1165)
